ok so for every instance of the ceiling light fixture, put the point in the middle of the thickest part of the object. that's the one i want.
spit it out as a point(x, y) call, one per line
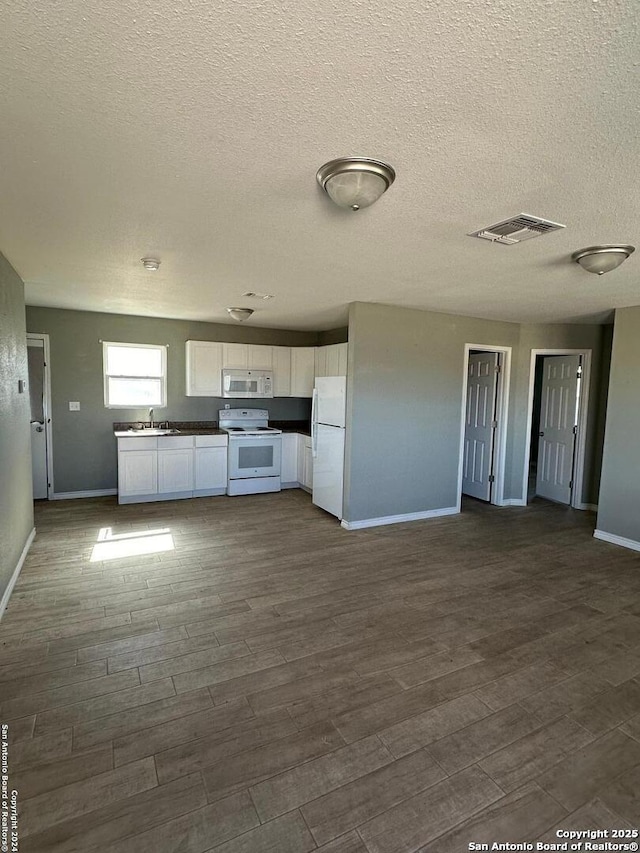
point(150, 263)
point(240, 314)
point(602, 259)
point(355, 182)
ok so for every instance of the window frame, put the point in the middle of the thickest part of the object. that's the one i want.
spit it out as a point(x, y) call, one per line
point(106, 376)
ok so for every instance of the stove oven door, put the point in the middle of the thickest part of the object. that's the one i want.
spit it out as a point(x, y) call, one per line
point(254, 456)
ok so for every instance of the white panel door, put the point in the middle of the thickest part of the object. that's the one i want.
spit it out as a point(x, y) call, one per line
point(558, 417)
point(138, 472)
point(175, 471)
point(479, 429)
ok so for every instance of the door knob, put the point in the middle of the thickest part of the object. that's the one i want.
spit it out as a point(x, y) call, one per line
point(541, 434)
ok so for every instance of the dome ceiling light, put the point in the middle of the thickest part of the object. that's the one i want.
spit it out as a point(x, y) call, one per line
point(602, 259)
point(355, 182)
point(240, 314)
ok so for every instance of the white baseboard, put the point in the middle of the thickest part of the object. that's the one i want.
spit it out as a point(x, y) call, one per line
point(398, 519)
point(512, 502)
point(93, 493)
point(616, 540)
point(16, 573)
point(590, 507)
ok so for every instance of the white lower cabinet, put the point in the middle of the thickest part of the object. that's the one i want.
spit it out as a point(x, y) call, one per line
point(137, 473)
point(169, 467)
point(289, 471)
point(175, 471)
point(210, 471)
point(305, 462)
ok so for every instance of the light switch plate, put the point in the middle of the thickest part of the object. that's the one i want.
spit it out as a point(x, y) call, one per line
point(74, 407)
point(22, 386)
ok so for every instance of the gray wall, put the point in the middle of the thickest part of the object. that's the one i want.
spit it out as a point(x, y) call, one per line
point(619, 502)
point(84, 449)
point(404, 404)
point(333, 336)
point(16, 506)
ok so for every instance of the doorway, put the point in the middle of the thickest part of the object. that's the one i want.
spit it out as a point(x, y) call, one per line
point(483, 434)
point(40, 426)
point(557, 418)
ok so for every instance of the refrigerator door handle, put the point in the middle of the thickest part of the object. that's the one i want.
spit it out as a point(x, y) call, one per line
point(314, 424)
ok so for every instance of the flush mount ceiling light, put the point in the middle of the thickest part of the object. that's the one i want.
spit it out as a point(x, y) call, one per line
point(602, 259)
point(240, 314)
point(150, 263)
point(355, 182)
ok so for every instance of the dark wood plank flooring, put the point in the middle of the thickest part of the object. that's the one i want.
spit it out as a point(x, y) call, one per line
point(240, 675)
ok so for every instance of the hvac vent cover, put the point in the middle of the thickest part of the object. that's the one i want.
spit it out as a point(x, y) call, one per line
point(517, 229)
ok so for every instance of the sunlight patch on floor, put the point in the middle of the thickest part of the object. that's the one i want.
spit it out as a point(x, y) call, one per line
point(112, 546)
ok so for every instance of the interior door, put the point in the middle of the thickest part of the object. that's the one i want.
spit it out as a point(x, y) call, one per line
point(36, 364)
point(558, 420)
point(482, 386)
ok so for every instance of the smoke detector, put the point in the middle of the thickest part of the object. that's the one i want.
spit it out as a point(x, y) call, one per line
point(150, 263)
point(517, 229)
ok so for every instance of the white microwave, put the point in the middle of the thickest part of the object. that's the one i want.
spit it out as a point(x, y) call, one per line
point(247, 384)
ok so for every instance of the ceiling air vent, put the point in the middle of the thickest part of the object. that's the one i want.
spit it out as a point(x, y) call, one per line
point(517, 229)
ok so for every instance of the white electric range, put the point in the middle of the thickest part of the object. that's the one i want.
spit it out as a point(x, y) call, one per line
point(255, 451)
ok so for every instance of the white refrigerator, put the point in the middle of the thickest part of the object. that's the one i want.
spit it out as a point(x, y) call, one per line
point(327, 436)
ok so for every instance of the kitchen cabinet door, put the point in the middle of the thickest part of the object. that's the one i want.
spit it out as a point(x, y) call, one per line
point(289, 464)
point(281, 371)
point(321, 361)
point(211, 469)
point(137, 472)
point(331, 360)
point(175, 470)
point(305, 462)
point(260, 357)
point(235, 356)
point(302, 371)
point(204, 369)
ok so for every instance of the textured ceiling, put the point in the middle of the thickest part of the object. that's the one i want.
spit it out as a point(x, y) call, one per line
point(192, 132)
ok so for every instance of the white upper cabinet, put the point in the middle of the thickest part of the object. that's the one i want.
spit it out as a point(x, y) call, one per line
point(204, 369)
point(302, 371)
point(331, 360)
point(281, 371)
point(247, 356)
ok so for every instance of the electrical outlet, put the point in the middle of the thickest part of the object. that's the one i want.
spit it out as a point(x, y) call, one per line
point(74, 407)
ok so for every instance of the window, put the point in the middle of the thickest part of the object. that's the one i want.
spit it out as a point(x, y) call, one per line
point(135, 375)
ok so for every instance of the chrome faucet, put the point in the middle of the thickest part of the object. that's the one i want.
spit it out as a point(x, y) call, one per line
point(150, 418)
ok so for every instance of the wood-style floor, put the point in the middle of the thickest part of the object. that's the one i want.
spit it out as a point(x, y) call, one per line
point(271, 682)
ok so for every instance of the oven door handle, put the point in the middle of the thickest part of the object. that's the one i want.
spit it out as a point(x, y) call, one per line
point(314, 424)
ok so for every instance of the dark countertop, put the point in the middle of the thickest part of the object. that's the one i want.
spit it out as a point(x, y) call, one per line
point(131, 429)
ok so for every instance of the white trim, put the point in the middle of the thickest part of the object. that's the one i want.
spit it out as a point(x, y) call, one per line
point(502, 414)
point(16, 572)
point(583, 411)
point(590, 507)
point(399, 519)
point(616, 540)
point(92, 493)
point(47, 405)
point(513, 502)
point(106, 376)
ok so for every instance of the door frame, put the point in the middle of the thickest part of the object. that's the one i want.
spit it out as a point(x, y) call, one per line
point(581, 436)
point(502, 414)
point(47, 407)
